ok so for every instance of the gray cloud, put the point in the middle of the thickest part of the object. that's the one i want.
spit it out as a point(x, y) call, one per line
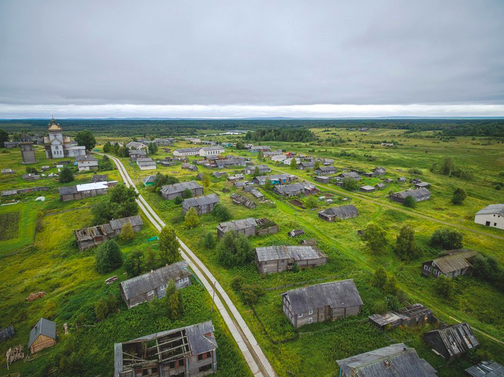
point(251, 53)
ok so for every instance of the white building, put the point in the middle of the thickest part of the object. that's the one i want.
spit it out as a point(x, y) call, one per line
point(211, 151)
point(183, 152)
point(146, 163)
point(58, 145)
point(492, 215)
point(86, 163)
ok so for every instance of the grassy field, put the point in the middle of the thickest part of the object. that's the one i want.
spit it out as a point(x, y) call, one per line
point(315, 348)
point(43, 256)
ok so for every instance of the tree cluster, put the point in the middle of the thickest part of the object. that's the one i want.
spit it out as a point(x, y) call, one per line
point(281, 134)
point(447, 239)
point(221, 212)
point(120, 203)
point(375, 238)
point(86, 138)
point(234, 250)
point(448, 167)
point(487, 269)
point(105, 164)
point(108, 257)
point(350, 184)
point(66, 175)
point(406, 247)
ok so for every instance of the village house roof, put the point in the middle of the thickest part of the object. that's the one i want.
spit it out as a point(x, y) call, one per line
point(140, 152)
point(298, 253)
point(486, 369)
point(340, 211)
point(337, 294)
point(457, 338)
point(149, 179)
point(136, 145)
point(201, 201)
point(492, 209)
point(326, 169)
point(368, 188)
point(99, 178)
point(379, 170)
point(85, 187)
point(119, 223)
point(417, 194)
point(350, 174)
point(237, 225)
point(187, 150)
point(180, 187)
point(405, 313)
point(456, 260)
point(394, 360)
point(43, 327)
point(294, 188)
point(213, 148)
point(85, 158)
point(150, 281)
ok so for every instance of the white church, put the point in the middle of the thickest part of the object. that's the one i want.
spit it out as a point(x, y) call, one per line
point(58, 145)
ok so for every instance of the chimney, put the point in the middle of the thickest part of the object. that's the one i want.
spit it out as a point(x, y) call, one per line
point(387, 363)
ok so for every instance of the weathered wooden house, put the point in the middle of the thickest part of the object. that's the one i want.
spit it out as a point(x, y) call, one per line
point(422, 184)
point(402, 180)
point(146, 163)
point(380, 186)
point(153, 284)
point(86, 163)
point(31, 177)
point(43, 335)
point(306, 165)
point(86, 190)
point(419, 195)
point(453, 341)
point(188, 166)
point(350, 174)
point(99, 178)
point(379, 171)
point(454, 263)
point(263, 169)
point(265, 226)
point(368, 188)
point(138, 153)
point(246, 227)
point(95, 235)
point(170, 192)
point(272, 259)
point(323, 179)
point(296, 233)
point(202, 204)
point(486, 369)
point(296, 189)
point(257, 194)
point(184, 352)
point(7, 333)
point(412, 315)
point(342, 213)
point(394, 360)
point(242, 201)
point(326, 170)
point(149, 180)
point(183, 152)
point(321, 302)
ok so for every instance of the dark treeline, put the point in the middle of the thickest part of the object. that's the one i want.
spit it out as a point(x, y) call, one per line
point(173, 127)
point(281, 134)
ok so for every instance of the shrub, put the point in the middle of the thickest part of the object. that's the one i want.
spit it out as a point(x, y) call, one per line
point(444, 286)
point(66, 175)
point(379, 278)
point(234, 249)
point(108, 257)
point(104, 307)
point(447, 239)
point(405, 244)
point(311, 202)
point(374, 237)
point(237, 283)
point(191, 218)
point(350, 184)
point(133, 263)
point(209, 241)
point(410, 202)
point(186, 194)
point(459, 196)
point(178, 200)
point(221, 212)
point(127, 233)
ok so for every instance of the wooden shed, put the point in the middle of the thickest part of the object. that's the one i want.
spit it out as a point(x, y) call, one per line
point(43, 335)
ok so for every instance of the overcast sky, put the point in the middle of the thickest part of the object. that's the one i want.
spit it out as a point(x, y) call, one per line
point(192, 58)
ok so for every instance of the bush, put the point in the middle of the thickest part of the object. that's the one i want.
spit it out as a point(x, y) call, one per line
point(405, 244)
point(66, 175)
point(186, 194)
point(133, 263)
point(31, 170)
point(121, 203)
point(221, 212)
point(178, 200)
point(311, 202)
point(444, 286)
point(459, 196)
point(237, 283)
point(127, 233)
point(104, 307)
point(234, 249)
point(350, 184)
point(108, 257)
point(191, 218)
point(379, 278)
point(374, 237)
point(447, 239)
point(410, 202)
point(209, 241)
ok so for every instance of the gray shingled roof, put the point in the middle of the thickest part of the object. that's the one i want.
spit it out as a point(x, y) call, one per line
point(419, 193)
point(237, 225)
point(155, 279)
point(298, 253)
point(326, 169)
point(497, 209)
point(457, 338)
point(457, 260)
point(180, 187)
point(394, 360)
point(119, 223)
point(68, 190)
point(337, 294)
point(149, 179)
point(187, 150)
point(486, 369)
point(43, 327)
point(338, 211)
point(201, 201)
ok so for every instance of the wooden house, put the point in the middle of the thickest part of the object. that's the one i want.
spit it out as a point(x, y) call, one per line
point(43, 335)
point(419, 195)
point(454, 263)
point(321, 302)
point(86, 190)
point(453, 341)
point(184, 352)
point(246, 227)
point(412, 315)
point(139, 153)
point(379, 171)
point(486, 369)
point(296, 233)
point(492, 215)
point(295, 189)
point(99, 178)
point(146, 287)
point(394, 360)
point(323, 179)
point(326, 170)
point(170, 192)
point(86, 163)
point(202, 204)
point(368, 188)
point(350, 174)
point(342, 213)
point(146, 163)
point(272, 259)
point(306, 165)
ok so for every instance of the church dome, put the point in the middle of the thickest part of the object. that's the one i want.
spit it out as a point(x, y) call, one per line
point(53, 126)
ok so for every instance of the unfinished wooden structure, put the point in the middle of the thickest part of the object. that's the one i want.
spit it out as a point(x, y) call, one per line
point(42, 335)
point(185, 352)
point(321, 302)
point(95, 235)
point(272, 259)
point(486, 369)
point(412, 315)
point(153, 284)
point(393, 360)
point(453, 341)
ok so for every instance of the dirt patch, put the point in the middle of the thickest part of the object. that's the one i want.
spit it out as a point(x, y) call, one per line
point(9, 224)
point(297, 203)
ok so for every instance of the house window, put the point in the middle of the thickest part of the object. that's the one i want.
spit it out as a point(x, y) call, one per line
point(172, 365)
point(163, 287)
point(205, 367)
point(300, 315)
point(310, 312)
point(310, 320)
point(200, 357)
point(150, 293)
point(181, 362)
point(495, 224)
